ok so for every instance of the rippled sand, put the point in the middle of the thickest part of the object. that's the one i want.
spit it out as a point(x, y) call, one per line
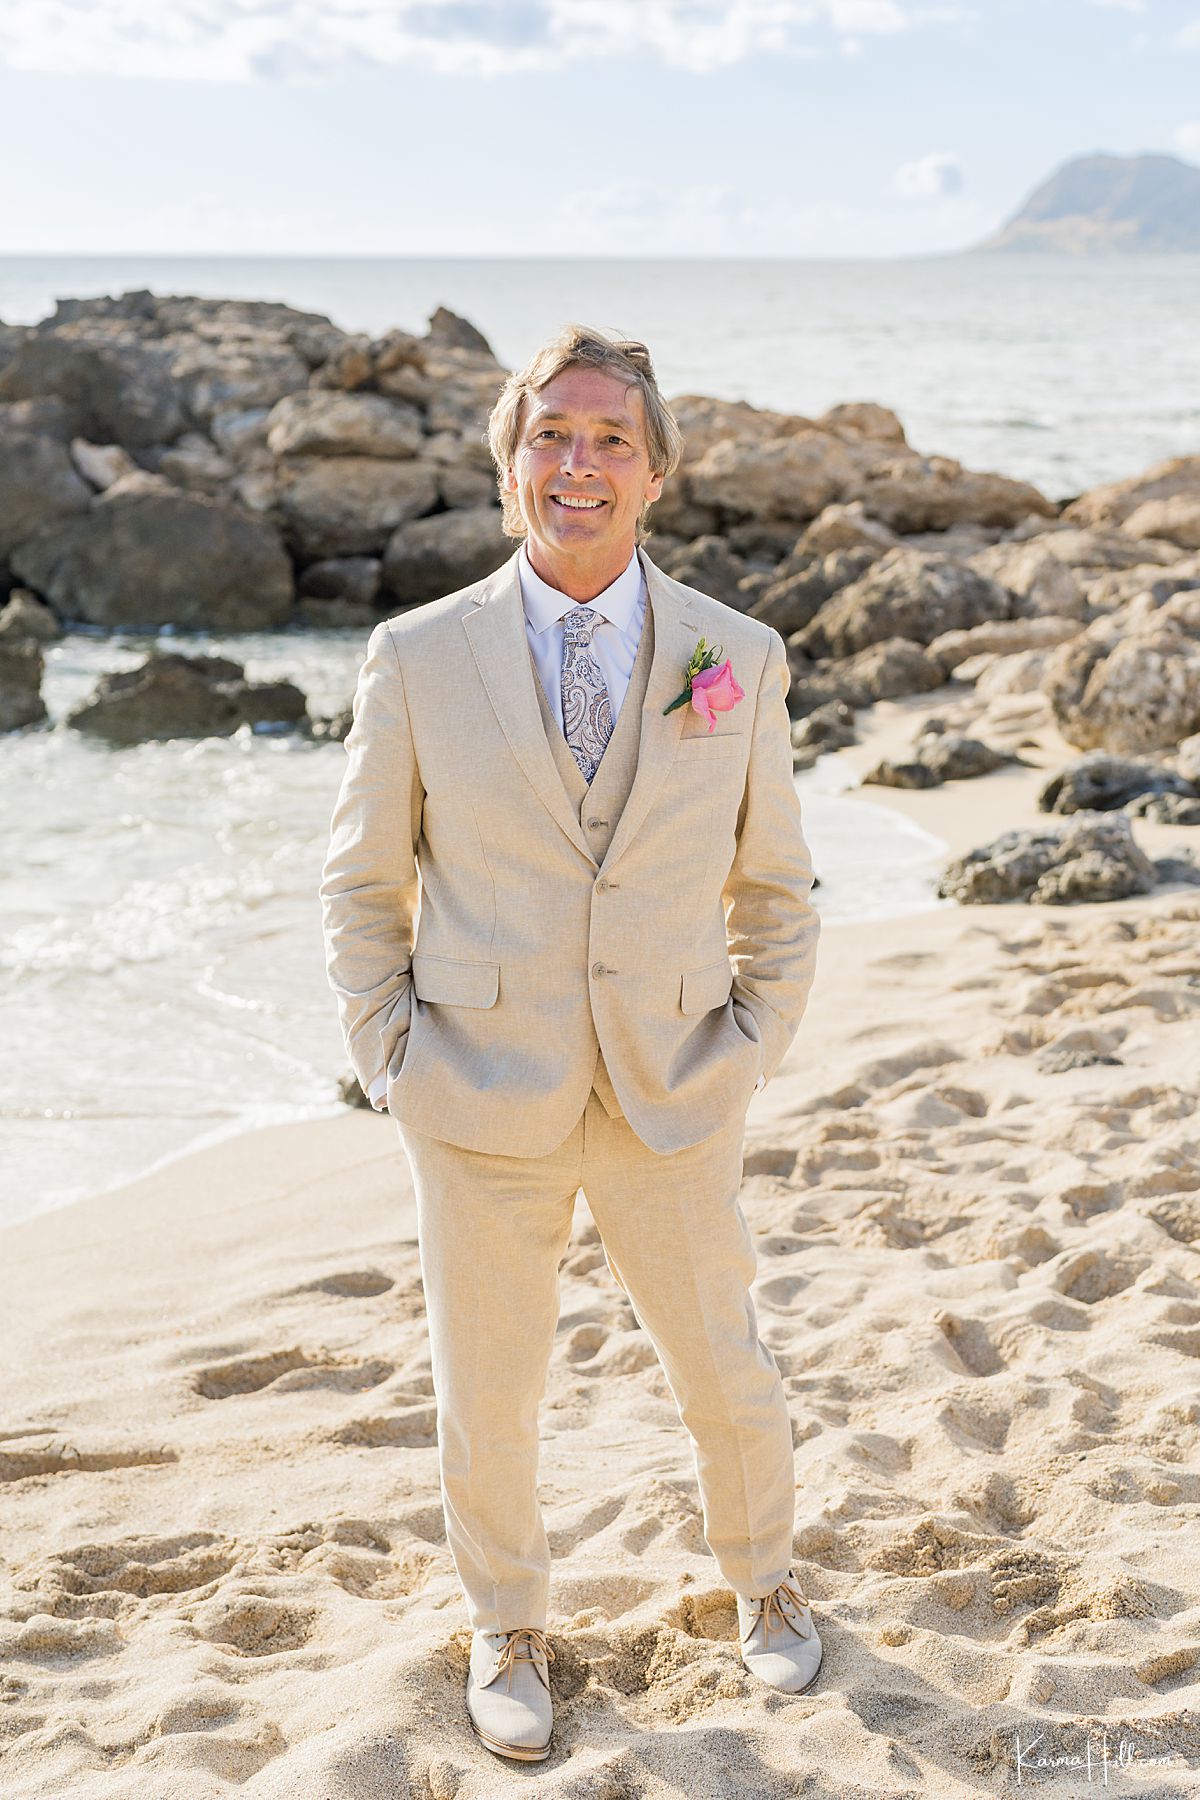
point(975, 1186)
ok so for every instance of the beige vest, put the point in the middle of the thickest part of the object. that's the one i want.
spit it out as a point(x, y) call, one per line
point(610, 785)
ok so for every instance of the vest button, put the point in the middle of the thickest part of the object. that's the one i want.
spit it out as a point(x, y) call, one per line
point(594, 824)
point(598, 969)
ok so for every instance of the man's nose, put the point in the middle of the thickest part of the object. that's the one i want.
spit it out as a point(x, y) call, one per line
point(577, 457)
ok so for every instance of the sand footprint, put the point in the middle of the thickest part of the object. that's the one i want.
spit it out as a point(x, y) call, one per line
point(253, 1624)
point(287, 1371)
point(1093, 1275)
point(106, 1579)
point(48, 1453)
point(349, 1284)
point(970, 1343)
point(413, 1428)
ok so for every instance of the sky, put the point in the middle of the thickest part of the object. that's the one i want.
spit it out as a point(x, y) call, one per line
point(568, 127)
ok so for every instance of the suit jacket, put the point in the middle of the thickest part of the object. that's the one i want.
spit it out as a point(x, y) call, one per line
point(496, 932)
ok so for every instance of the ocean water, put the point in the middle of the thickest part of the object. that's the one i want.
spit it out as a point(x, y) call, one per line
point(161, 962)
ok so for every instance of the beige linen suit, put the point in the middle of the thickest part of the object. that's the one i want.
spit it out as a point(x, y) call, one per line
point(575, 986)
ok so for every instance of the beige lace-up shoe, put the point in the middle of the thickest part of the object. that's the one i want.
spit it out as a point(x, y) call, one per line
point(779, 1640)
point(508, 1692)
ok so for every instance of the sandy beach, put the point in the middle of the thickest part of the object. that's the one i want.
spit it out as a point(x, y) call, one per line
point(975, 1189)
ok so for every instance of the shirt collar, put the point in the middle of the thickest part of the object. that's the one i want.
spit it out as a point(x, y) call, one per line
point(545, 605)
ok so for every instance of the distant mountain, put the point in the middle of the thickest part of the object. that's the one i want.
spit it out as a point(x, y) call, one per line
point(1106, 203)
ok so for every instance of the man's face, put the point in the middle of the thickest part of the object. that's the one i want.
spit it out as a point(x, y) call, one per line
point(584, 437)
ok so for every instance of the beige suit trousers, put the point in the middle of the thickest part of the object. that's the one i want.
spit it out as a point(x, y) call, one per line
point(492, 1231)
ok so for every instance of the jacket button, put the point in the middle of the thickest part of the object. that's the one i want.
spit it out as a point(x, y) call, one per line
point(598, 969)
point(602, 886)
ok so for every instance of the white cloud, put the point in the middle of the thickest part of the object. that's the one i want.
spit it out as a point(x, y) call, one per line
point(1188, 36)
point(245, 40)
point(1121, 5)
point(931, 177)
point(1187, 138)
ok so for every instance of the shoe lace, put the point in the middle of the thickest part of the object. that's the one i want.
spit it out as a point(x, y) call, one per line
point(772, 1610)
point(523, 1645)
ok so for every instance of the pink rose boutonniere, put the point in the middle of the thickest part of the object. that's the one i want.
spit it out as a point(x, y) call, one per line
point(712, 686)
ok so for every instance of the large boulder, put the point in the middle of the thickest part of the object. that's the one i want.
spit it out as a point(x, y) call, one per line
point(39, 485)
point(1113, 502)
point(116, 389)
point(1110, 592)
point(676, 516)
point(1091, 857)
point(451, 330)
point(351, 505)
point(438, 555)
point(791, 478)
point(192, 462)
point(1101, 782)
point(322, 423)
point(938, 756)
point(221, 377)
point(352, 579)
point(709, 565)
point(174, 696)
point(863, 419)
point(933, 493)
point(828, 727)
point(1131, 681)
point(882, 671)
point(848, 527)
point(908, 595)
point(146, 554)
point(460, 487)
point(1044, 584)
point(464, 389)
point(1175, 520)
point(1095, 550)
point(803, 584)
point(1000, 637)
point(705, 421)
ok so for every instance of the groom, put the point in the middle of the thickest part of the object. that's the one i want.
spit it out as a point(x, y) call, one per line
point(614, 949)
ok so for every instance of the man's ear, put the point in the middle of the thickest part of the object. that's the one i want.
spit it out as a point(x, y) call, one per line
point(510, 479)
point(654, 486)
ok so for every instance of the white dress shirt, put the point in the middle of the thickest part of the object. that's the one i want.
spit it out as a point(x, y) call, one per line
point(615, 645)
point(623, 609)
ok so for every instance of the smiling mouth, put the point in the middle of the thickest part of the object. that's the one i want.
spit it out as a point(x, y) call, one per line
point(577, 502)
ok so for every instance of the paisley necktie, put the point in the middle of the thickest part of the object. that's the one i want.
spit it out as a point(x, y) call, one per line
point(586, 703)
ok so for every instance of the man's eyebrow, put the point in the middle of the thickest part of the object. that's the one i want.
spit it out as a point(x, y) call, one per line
point(621, 424)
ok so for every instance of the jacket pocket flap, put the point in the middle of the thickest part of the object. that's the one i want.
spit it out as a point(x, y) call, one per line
point(707, 987)
point(450, 982)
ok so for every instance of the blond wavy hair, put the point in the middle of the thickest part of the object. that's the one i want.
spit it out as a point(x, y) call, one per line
point(578, 346)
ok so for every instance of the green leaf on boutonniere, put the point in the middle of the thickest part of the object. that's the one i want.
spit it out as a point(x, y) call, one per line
point(704, 656)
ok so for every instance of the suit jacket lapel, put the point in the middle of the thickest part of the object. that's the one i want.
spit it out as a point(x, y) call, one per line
point(675, 632)
point(495, 630)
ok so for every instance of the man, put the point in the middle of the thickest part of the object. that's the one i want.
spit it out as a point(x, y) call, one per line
point(614, 949)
